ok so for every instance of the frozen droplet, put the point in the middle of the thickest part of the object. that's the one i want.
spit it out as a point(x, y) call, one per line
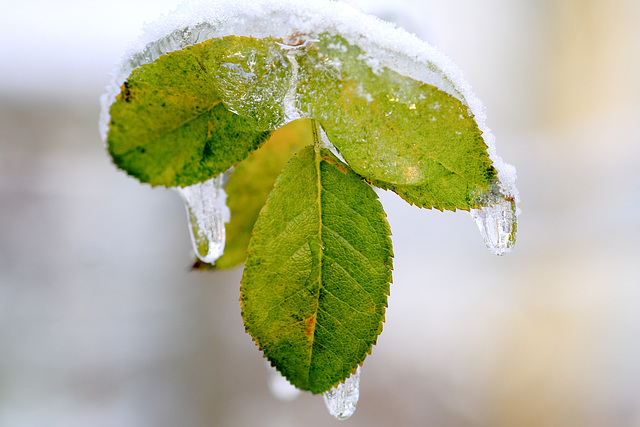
point(341, 400)
point(497, 224)
point(207, 213)
point(279, 386)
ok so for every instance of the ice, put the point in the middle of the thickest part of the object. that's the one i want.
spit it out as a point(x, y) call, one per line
point(341, 400)
point(383, 45)
point(250, 84)
point(297, 22)
point(279, 386)
point(207, 212)
point(497, 224)
point(291, 110)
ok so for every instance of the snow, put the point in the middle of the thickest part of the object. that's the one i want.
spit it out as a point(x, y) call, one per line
point(383, 43)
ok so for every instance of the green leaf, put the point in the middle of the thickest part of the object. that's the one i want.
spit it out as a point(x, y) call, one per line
point(317, 276)
point(194, 113)
point(169, 125)
point(251, 182)
point(397, 132)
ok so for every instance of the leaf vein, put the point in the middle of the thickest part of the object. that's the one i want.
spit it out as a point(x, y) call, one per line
point(348, 206)
point(350, 246)
point(340, 323)
point(355, 281)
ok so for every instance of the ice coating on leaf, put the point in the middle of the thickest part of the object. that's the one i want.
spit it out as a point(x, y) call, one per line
point(396, 132)
point(279, 386)
point(207, 212)
point(383, 45)
point(341, 400)
point(250, 80)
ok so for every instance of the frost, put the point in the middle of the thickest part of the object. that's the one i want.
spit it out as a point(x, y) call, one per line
point(373, 63)
point(207, 213)
point(382, 43)
point(341, 400)
point(337, 46)
point(248, 89)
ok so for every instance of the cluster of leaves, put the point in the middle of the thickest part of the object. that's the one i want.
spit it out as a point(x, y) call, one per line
point(318, 269)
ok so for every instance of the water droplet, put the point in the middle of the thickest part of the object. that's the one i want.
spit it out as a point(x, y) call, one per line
point(207, 213)
point(341, 400)
point(497, 224)
point(279, 386)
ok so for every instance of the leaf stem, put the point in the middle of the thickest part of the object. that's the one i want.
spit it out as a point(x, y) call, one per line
point(315, 130)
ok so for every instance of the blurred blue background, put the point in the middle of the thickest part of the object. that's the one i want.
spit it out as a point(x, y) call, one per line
point(103, 324)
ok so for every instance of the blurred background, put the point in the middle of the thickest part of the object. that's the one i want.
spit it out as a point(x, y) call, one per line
point(102, 323)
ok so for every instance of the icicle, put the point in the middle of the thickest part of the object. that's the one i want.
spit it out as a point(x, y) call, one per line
point(207, 213)
point(497, 224)
point(279, 386)
point(341, 400)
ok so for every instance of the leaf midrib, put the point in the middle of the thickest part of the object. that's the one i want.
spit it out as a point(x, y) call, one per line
point(317, 161)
